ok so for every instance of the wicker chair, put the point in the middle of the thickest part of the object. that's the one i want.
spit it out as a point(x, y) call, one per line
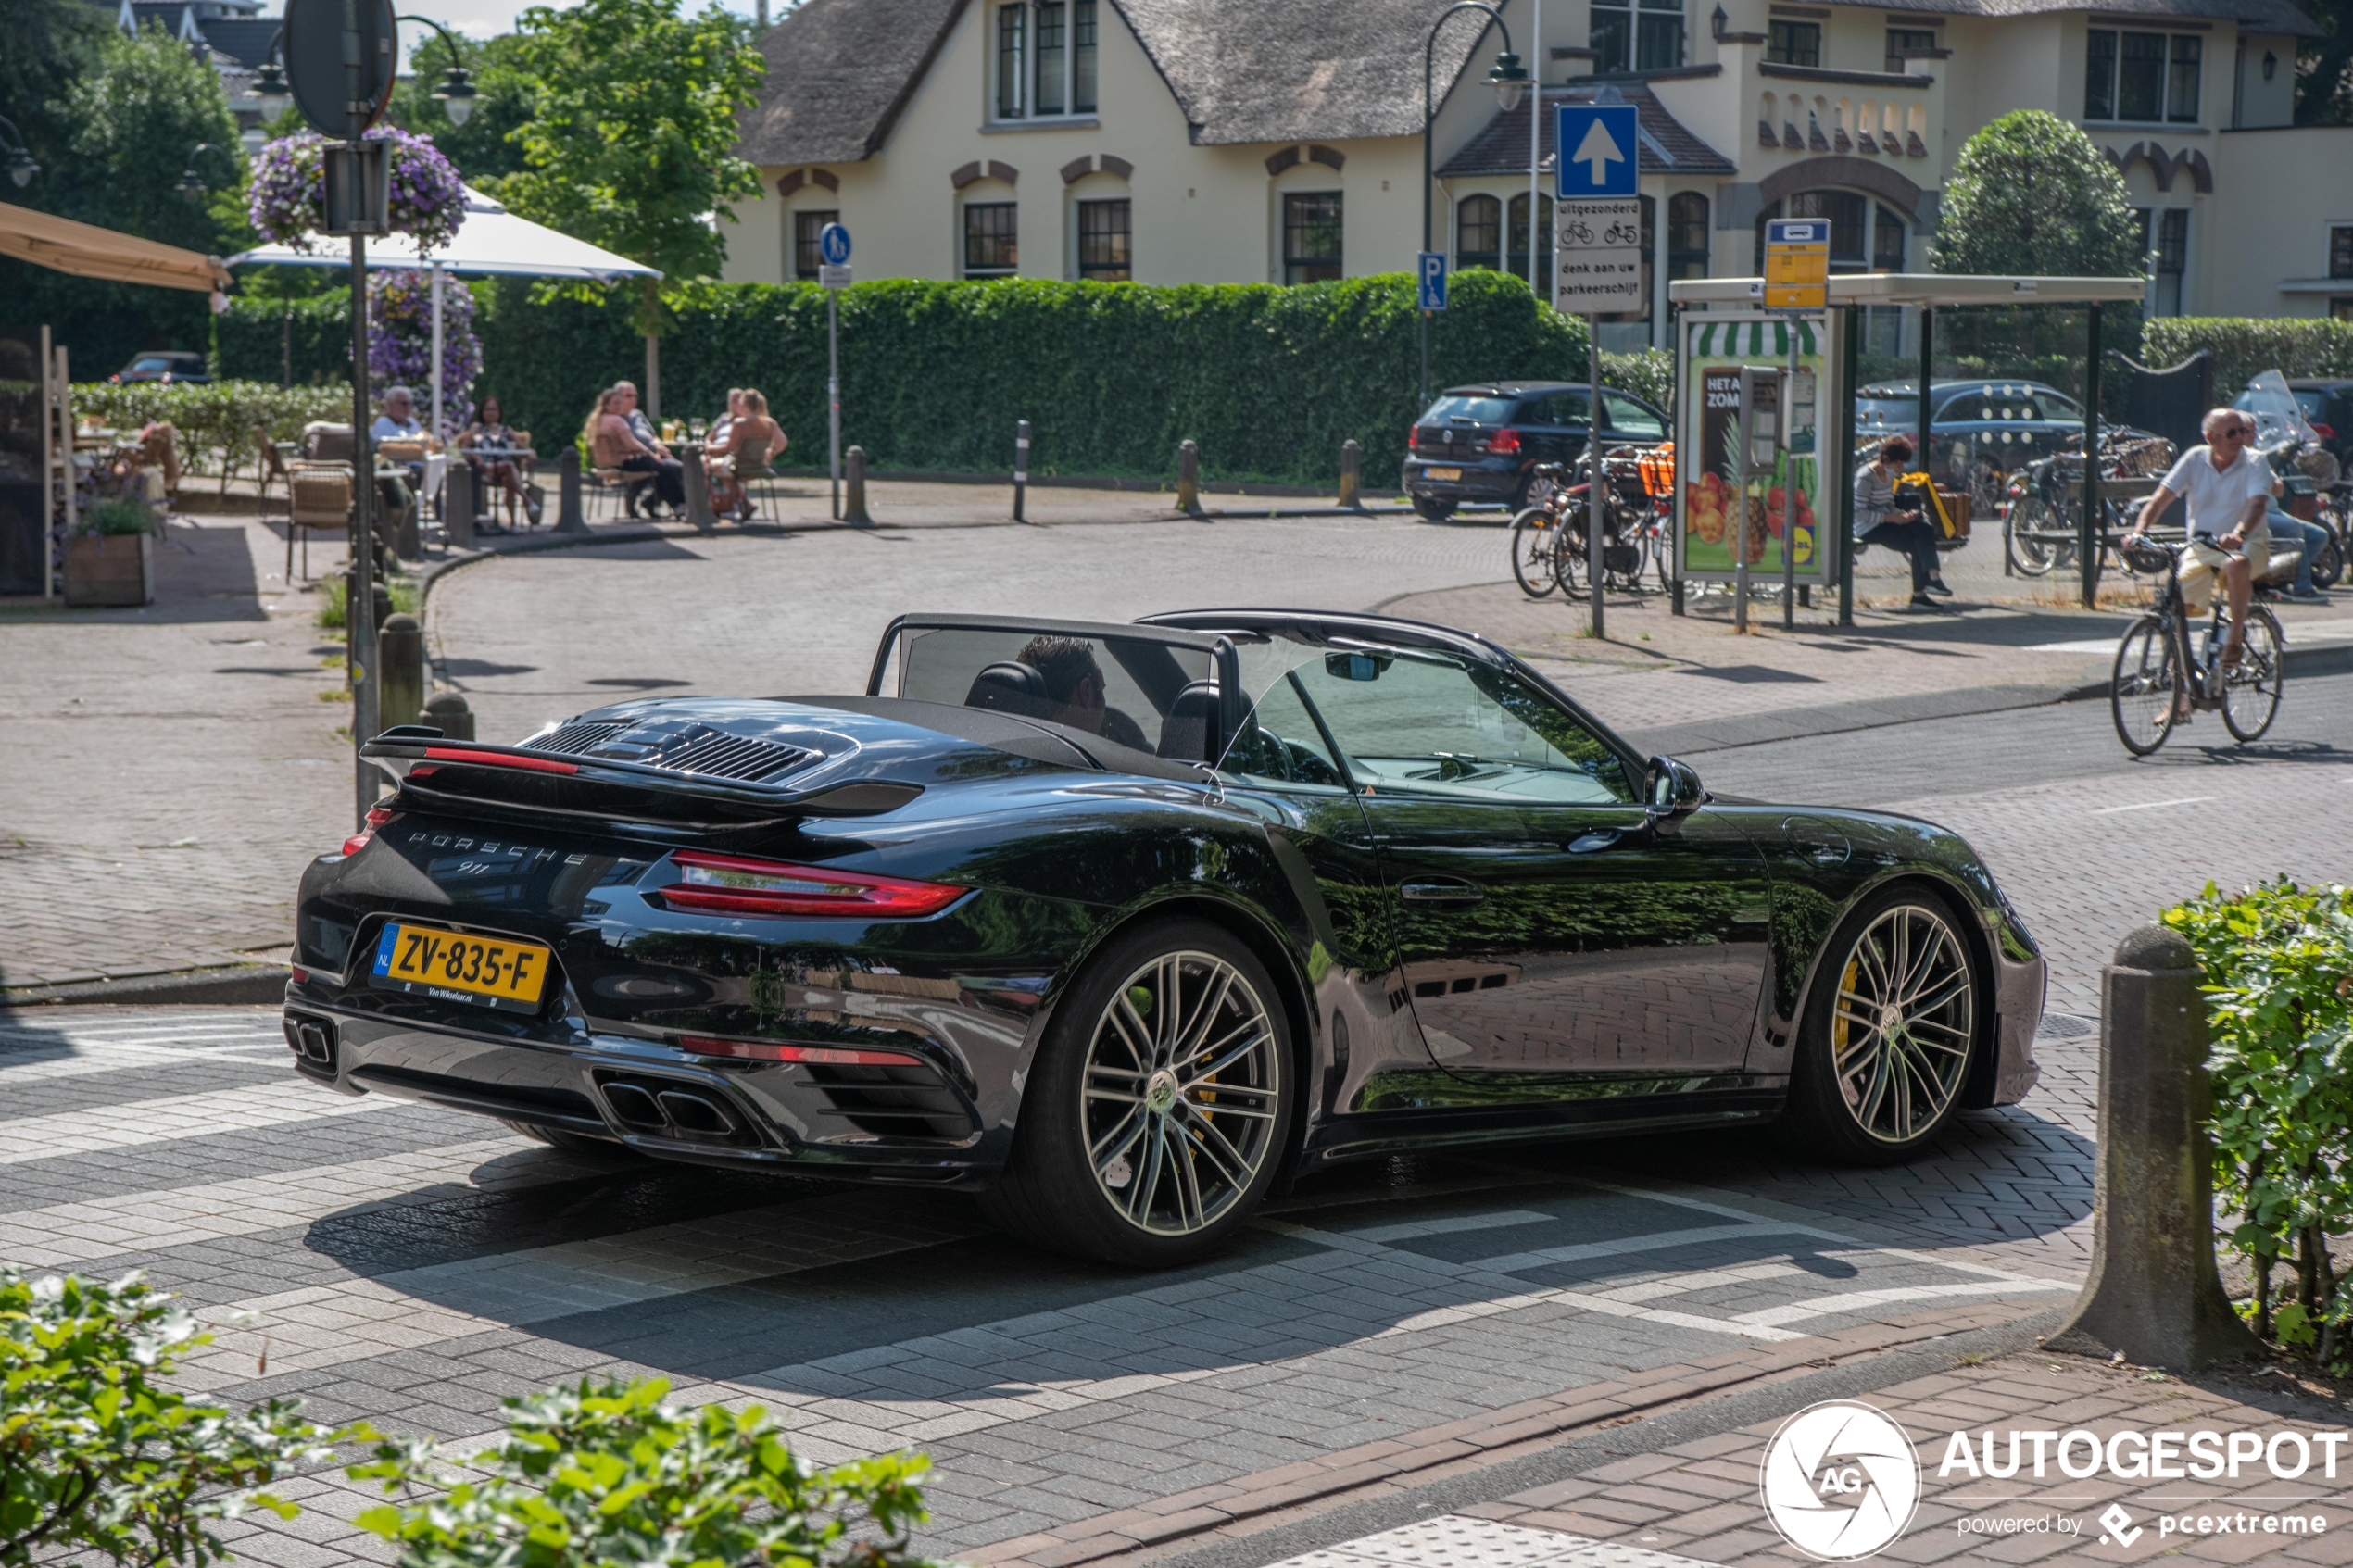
point(317, 496)
point(273, 467)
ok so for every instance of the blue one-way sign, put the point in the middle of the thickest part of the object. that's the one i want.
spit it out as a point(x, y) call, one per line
point(1431, 267)
point(1595, 153)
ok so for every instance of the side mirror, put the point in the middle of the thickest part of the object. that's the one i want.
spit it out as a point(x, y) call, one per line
point(1675, 788)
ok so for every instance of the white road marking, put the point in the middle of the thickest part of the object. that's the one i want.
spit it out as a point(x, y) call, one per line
point(2150, 804)
point(1854, 1300)
point(176, 1116)
point(122, 1058)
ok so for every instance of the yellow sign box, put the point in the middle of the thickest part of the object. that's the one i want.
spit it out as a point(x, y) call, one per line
point(1797, 277)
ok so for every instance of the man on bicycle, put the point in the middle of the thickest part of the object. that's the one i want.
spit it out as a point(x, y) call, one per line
point(2228, 489)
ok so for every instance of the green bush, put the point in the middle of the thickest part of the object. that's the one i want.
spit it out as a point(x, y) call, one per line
point(611, 1475)
point(1648, 373)
point(2244, 347)
point(219, 416)
point(1269, 381)
point(2279, 967)
point(96, 1457)
point(122, 515)
point(306, 341)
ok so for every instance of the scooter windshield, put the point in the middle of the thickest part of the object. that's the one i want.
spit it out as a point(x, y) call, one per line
point(2278, 418)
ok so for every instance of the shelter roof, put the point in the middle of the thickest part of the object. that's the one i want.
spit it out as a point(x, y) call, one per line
point(1667, 146)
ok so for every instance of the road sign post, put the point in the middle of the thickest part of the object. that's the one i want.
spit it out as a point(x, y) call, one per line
point(833, 276)
point(1429, 267)
point(1597, 265)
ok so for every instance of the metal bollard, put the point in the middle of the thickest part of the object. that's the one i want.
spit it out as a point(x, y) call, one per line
point(1021, 467)
point(457, 506)
point(569, 517)
point(1352, 458)
point(2153, 1293)
point(854, 510)
point(449, 713)
point(400, 670)
point(1188, 476)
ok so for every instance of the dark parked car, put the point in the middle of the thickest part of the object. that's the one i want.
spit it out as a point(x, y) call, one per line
point(1123, 925)
point(1476, 443)
point(166, 366)
point(1980, 431)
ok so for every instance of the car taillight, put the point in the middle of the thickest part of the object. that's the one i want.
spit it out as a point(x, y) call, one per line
point(1412, 436)
point(737, 885)
point(1506, 440)
point(2326, 432)
point(377, 816)
point(822, 1056)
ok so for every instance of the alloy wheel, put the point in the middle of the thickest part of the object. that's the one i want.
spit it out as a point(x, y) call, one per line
point(1905, 1014)
point(1182, 1095)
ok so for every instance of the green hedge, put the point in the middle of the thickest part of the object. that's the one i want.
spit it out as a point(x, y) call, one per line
point(221, 415)
point(261, 340)
point(1269, 381)
point(2293, 346)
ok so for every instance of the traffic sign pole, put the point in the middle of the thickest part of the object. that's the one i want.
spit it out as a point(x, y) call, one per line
point(1593, 451)
point(833, 276)
point(1597, 269)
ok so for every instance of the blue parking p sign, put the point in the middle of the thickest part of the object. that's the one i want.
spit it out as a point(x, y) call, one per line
point(1431, 267)
point(1594, 152)
point(833, 244)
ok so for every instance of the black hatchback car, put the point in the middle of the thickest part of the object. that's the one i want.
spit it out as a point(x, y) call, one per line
point(166, 365)
point(1478, 443)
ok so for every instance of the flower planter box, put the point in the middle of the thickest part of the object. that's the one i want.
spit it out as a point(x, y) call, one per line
point(110, 571)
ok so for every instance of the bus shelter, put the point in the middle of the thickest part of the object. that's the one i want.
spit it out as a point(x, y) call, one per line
point(1722, 326)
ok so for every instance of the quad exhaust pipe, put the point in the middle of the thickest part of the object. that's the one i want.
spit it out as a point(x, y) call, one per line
point(312, 1039)
point(665, 1108)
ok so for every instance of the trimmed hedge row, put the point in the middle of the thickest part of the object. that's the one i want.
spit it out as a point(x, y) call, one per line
point(304, 341)
point(220, 415)
point(2293, 346)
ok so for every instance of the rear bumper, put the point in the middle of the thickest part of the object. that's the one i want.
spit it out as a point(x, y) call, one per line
point(1481, 479)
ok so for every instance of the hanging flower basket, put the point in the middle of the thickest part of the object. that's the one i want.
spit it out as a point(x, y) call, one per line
point(400, 341)
point(287, 200)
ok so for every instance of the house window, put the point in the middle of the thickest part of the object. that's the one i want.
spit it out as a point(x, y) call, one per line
point(1865, 237)
point(1636, 34)
point(2144, 76)
point(1103, 254)
point(1794, 44)
point(1515, 258)
point(2340, 251)
point(991, 240)
point(2341, 307)
point(1901, 39)
point(2173, 258)
point(806, 227)
point(1686, 235)
point(1887, 242)
point(1046, 58)
point(1478, 233)
point(1311, 237)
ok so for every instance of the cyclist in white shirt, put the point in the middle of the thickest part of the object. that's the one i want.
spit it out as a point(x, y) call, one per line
point(2228, 489)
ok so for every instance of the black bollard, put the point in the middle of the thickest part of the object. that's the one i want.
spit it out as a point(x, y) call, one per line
point(449, 713)
point(569, 517)
point(854, 508)
point(1352, 461)
point(400, 668)
point(457, 506)
point(1021, 467)
point(1188, 476)
point(2153, 1293)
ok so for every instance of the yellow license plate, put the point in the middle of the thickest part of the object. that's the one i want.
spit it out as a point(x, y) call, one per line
point(1441, 473)
point(484, 970)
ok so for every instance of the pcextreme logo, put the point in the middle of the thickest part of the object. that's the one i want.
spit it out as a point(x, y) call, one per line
point(1840, 1480)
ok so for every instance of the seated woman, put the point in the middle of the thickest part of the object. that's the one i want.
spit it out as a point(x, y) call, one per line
point(752, 440)
point(724, 422)
point(612, 445)
point(500, 447)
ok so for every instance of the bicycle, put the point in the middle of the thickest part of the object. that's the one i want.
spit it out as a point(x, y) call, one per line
point(1539, 543)
point(2155, 676)
point(1548, 539)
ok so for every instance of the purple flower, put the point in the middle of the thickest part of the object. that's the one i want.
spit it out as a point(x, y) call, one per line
point(287, 198)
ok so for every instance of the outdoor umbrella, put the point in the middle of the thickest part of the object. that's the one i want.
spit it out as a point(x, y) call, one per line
point(88, 251)
point(491, 241)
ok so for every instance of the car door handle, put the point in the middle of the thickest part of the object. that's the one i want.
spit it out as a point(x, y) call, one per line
point(1442, 890)
point(1588, 843)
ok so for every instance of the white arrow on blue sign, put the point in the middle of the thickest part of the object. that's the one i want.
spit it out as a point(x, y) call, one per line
point(1430, 265)
point(833, 244)
point(1596, 151)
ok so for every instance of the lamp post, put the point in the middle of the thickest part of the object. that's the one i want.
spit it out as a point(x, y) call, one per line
point(271, 89)
point(456, 95)
point(14, 157)
point(191, 180)
point(1509, 78)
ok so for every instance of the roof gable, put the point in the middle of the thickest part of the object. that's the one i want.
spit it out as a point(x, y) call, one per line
point(839, 72)
point(1665, 145)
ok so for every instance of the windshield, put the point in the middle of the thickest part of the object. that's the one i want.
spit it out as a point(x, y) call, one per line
point(1135, 691)
point(2273, 407)
point(2011, 404)
point(1468, 410)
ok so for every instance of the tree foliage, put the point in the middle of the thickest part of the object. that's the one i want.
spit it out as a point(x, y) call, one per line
point(612, 1474)
point(486, 148)
point(97, 1457)
point(2030, 195)
point(629, 144)
point(2325, 65)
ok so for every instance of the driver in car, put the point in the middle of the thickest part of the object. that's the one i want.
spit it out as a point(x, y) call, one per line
point(1074, 689)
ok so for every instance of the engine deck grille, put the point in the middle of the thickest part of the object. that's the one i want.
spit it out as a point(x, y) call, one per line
point(692, 748)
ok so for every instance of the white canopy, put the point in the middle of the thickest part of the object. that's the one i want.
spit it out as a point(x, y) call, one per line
point(491, 240)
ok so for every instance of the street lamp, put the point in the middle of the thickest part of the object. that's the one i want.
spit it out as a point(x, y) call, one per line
point(191, 180)
point(456, 93)
point(18, 161)
point(1509, 78)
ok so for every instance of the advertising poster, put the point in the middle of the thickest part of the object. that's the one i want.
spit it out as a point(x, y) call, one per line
point(1785, 504)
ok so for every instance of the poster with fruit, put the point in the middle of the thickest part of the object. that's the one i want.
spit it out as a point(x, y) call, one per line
point(1784, 505)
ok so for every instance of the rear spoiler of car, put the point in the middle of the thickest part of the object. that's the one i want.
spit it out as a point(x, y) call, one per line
point(432, 768)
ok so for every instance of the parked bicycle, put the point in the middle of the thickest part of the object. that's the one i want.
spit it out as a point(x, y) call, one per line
point(1548, 548)
point(2043, 516)
point(2158, 684)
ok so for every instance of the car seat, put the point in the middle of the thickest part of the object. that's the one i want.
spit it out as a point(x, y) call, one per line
point(1010, 687)
point(1186, 734)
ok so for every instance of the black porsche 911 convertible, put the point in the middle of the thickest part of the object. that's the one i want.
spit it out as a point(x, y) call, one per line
point(1125, 924)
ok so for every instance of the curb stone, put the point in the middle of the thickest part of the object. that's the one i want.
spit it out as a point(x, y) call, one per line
point(232, 985)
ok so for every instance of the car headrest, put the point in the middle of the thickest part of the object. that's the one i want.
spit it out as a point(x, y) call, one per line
point(1010, 687)
point(1185, 734)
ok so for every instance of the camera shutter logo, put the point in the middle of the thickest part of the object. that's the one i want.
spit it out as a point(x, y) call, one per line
point(1840, 1480)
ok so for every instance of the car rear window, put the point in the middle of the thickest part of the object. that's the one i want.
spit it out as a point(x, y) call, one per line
point(2314, 403)
point(1887, 413)
point(1468, 410)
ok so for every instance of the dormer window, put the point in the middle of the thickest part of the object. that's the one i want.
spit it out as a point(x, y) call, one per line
point(1045, 59)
